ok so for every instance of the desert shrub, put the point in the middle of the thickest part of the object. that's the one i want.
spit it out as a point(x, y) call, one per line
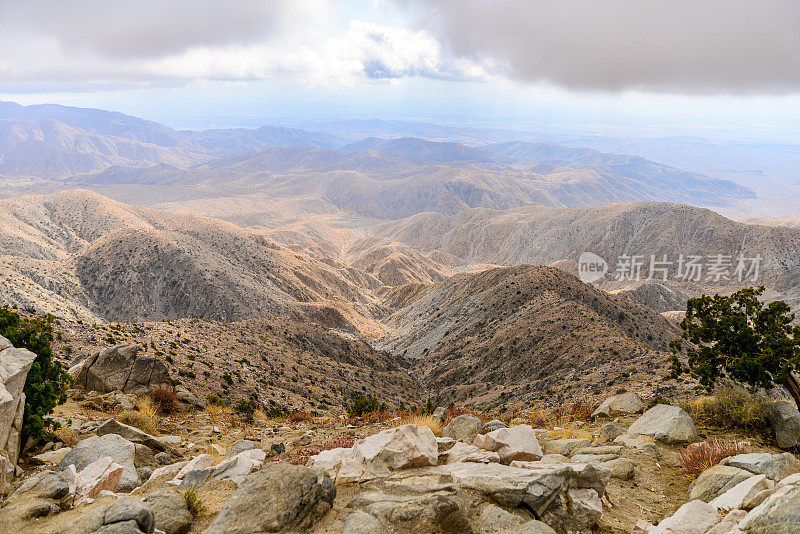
point(213, 399)
point(194, 503)
point(298, 416)
point(698, 457)
point(68, 436)
point(538, 417)
point(47, 381)
point(276, 412)
point(656, 400)
point(731, 407)
point(361, 404)
point(246, 408)
point(581, 409)
point(165, 399)
point(424, 420)
point(302, 455)
point(220, 415)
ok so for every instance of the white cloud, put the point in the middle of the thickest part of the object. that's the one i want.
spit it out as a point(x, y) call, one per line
point(168, 43)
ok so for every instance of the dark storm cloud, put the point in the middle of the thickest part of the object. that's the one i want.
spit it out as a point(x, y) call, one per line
point(693, 46)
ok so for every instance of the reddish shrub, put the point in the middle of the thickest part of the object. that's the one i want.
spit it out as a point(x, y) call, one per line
point(301, 456)
point(698, 457)
point(165, 399)
point(298, 416)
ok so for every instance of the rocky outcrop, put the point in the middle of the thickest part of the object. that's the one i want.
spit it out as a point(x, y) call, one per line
point(669, 424)
point(280, 498)
point(14, 367)
point(784, 418)
point(624, 404)
point(774, 466)
point(463, 428)
point(380, 454)
point(120, 368)
point(516, 443)
point(91, 449)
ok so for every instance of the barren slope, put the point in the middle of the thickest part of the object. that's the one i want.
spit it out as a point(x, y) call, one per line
point(522, 331)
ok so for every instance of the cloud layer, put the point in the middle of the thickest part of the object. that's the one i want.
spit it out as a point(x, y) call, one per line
point(116, 42)
point(706, 46)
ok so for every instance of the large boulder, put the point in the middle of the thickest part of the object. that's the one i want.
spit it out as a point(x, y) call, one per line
point(14, 367)
point(779, 514)
point(171, 513)
point(377, 455)
point(775, 466)
point(516, 443)
point(132, 434)
point(745, 495)
point(669, 424)
point(715, 481)
point(463, 428)
point(624, 404)
point(785, 420)
point(694, 517)
point(120, 368)
point(280, 498)
point(94, 448)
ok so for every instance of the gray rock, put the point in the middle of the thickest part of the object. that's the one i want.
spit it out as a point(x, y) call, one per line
point(444, 444)
point(567, 446)
point(463, 428)
point(359, 522)
point(170, 512)
point(610, 431)
point(587, 458)
point(775, 466)
point(728, 523)
point(785, 420)
point(130, 509)
point(715, 481)
point(282, 497)
point(621, 468)
point(14, 367)
point(600, 449)
point(439, 511)
point(512, 487)
point(534, 527)
point(132, 434)
point(240, 446)
point(779, 514)
point(120, 368)
point(92, 449)
point(495, 519)
point(624, 404)
point(494, 424)
point(440, 414)
point(47, 485)
point(694, 517)
point(670, 424)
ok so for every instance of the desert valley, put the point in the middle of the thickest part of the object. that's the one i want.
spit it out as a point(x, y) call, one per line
point(399, 266)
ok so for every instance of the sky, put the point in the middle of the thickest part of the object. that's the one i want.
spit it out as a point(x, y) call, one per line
point(661, 67)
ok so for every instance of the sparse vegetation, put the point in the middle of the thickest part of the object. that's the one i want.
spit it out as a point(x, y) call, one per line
point(424, 420)
point(165, 399)
point(697, 457)
point(731, 407)
point(194, 503)
point(740, 338)
point(361, 404)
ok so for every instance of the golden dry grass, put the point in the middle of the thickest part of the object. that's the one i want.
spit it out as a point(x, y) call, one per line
point(140, 420)
point(221, 415)
point(730, 407)
point(423, 420)
point(67, 435)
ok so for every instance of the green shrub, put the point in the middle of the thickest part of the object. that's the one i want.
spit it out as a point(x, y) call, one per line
point(731, 407)
point(47, 381)
point(362, 404)
point(246, 408)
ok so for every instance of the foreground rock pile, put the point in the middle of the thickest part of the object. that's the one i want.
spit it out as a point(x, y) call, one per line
point(478, 477)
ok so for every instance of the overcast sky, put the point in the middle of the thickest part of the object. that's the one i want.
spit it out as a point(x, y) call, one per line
point(713, 62)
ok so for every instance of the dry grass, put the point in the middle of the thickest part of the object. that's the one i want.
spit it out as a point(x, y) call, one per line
point(194, 503)
point(539, 417)
point(142, 421)
point(216, 456)
point(698, 457)
point(423, 420)
point(221, 415)
point(730, 407)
